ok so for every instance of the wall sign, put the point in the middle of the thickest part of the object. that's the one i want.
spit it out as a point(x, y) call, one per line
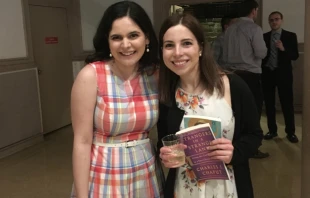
point(51, 40)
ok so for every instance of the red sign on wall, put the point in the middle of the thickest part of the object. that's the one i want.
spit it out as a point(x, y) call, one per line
point(51, 40)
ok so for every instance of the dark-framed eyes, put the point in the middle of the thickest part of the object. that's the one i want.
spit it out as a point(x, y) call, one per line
point(275, 19)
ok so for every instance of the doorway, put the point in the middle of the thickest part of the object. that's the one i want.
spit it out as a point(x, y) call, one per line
point(52, 54)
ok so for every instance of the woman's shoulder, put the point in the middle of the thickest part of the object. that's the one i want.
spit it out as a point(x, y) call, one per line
point(99, 64)
point(91, 70)
point(86, 78)
point(87, 72)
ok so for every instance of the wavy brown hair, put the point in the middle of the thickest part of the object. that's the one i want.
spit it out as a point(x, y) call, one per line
point(210, 73)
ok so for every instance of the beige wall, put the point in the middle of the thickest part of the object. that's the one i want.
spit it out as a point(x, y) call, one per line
point(12, 33)
point(17, 30)
point(91, 13)
point(293, 12)
point(16, 53)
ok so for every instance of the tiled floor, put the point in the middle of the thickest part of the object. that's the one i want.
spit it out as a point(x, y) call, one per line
point(44, 170)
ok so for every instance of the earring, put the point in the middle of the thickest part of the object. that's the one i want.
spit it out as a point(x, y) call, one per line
point(147, 48)
point(110, 55)
point(199, 53)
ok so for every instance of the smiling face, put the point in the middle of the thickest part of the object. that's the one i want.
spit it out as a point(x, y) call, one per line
point(181, 51)
point(127, 42)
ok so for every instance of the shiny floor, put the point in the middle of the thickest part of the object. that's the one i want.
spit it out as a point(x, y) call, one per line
point(44, 170)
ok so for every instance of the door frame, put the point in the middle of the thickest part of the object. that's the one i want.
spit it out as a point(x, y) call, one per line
point(70, 79)
point(75, 32)
point(74, 24)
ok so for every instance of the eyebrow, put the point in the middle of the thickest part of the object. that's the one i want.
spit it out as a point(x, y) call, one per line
point(133, 32)
point(187, 39)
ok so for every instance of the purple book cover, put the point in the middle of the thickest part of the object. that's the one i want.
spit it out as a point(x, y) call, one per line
point(197, 139)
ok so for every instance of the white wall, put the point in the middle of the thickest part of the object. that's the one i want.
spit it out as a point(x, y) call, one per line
point(91, 13)
point(293, 12)
point(12, 32)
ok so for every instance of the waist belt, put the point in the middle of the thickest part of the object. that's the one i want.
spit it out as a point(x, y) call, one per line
point(123, 144)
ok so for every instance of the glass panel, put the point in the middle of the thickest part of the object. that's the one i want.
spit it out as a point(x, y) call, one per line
point(212, 28)
point(208, 14)
point(174, 9)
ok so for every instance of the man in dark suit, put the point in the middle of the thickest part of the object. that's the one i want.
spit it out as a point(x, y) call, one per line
point(277, 73)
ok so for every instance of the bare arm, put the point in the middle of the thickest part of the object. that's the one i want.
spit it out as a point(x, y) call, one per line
point(83, 100)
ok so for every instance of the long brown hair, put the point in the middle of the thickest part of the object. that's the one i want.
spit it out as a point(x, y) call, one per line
point(210, 73)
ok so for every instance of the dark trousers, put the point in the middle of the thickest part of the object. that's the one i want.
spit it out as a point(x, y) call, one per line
point(283, 81)
point(254, 82)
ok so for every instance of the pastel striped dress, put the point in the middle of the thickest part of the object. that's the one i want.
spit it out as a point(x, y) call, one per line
point(125, 110)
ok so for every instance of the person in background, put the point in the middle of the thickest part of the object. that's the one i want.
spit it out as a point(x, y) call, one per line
point(244, 49)
point(191, 83)
point(114, 104)
point(277, 73)
point(218, 43)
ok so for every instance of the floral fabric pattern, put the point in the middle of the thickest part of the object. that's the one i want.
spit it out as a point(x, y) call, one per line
point(186, 183)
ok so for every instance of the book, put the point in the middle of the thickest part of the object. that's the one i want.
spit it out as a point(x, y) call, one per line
point(198, 138)
point(215, 123)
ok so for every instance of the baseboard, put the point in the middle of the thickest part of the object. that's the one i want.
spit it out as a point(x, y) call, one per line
point(14, 148)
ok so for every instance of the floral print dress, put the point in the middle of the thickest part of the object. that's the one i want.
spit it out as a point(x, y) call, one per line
point(186, 184)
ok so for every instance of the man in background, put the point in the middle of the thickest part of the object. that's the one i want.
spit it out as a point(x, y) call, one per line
point(218, 43)
point(277, 73)
point(244, 49)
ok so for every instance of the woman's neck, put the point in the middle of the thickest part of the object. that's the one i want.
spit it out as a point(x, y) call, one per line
point(192, 85)
point(191, 82)
point(123, 71)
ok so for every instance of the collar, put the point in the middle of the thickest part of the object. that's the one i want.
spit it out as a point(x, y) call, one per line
point(247, 19)
point(279, 31)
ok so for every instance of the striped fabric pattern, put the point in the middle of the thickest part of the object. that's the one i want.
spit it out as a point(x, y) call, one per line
point(125, 110)
point(273, 56)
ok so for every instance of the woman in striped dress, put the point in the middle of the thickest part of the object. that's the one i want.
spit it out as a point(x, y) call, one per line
point(114, 106)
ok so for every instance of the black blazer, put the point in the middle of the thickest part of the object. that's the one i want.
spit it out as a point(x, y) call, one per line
point(289, 40)
point(247, 136)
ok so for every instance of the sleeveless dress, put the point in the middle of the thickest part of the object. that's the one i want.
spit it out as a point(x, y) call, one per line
point(186, 184)
point(125, 111)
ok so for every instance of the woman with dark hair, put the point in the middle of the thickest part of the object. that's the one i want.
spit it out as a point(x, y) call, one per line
point(114, 104)
point(191, 83)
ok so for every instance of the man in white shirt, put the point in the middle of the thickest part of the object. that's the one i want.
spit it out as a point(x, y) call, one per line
point(244, 49)
point(218, 43)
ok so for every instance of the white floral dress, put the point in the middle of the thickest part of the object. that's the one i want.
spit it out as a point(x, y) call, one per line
point(213, 106)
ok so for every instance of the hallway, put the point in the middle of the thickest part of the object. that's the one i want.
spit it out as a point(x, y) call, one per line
point(44, 170)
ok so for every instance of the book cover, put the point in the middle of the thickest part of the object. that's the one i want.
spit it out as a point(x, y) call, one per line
point(215, 123)
point(198, 138)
